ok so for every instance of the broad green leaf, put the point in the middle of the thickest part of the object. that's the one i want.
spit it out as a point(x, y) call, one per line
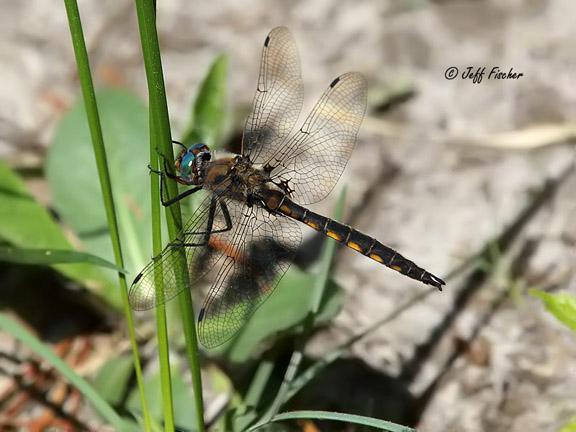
point(286, 309)
point(71, 171)
point(184, 414)
point(13, 328)
point(208, 110)
point(113, 378)
point(342, 417)
point(26, 224)
point(52, 256)
point(561, 305)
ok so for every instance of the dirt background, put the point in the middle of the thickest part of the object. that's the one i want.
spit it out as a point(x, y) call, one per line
point(437, 177)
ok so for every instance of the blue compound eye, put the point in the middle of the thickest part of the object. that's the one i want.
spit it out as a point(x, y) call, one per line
point(200, 147)
point(187, 162)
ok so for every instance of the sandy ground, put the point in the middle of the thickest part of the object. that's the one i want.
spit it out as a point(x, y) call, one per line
point(435, 177)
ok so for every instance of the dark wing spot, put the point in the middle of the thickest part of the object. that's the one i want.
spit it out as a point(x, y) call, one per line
point(267, 41)
point(201, 315)
point(137, 278)
point(333, 83)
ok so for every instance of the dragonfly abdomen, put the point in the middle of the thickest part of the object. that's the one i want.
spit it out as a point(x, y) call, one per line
point(358, 241)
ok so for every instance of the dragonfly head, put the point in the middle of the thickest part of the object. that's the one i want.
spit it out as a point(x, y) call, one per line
point(191, 163)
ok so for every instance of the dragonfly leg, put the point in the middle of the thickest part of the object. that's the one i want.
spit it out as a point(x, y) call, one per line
point(167, 203)
point(180, 144)
point(163, 175)
point(209, 231)
point(206, 233)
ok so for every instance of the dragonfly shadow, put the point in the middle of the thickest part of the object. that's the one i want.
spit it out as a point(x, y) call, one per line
point(472, 284)
point(361, 390)
point(464, 346)
point(27, 289)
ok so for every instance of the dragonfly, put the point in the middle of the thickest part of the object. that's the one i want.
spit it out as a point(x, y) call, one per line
point(244, 233)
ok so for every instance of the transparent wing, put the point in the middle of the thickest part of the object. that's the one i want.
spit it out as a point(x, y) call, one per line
point(169, 267)
point(252, 258)
point(278, 98)
point(314, 157)
point(242, 252)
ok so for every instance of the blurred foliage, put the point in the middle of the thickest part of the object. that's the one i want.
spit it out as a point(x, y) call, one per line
point(73, 177)
point(208, 110)
point(113, 378)
point(570, 427)
point(25, 224)
point(184, 415)
point(561, 305)
point(52, 256)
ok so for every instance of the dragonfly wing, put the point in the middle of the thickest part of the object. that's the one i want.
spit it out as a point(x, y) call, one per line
point(314, 157)
point(188, 248)
point(252, 258)
point(278, 98)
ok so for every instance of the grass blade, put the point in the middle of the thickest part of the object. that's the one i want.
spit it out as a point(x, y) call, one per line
point(20, 333)
point(53, 256)
point(100, 154)
point(341, 417)
point(161, 140)
point(160, 311)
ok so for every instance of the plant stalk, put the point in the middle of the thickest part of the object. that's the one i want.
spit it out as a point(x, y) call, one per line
point(93, 117)
point(161, 123)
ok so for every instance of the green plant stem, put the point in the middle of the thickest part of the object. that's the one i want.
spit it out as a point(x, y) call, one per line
point(161, 322)
point(104, 176)
point(160, 120)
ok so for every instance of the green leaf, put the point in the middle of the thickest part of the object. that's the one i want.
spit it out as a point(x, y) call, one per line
point(26, 224)
point(52, 256)
point(208, 110)
point(71, 171)
point(184, 414)
point(570, 427)
point(113, 378)
point(283, 311)
point(336, 416)
point(45, 352)
point(561, 305)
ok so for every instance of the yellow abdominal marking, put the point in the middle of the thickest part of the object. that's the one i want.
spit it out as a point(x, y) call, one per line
point(395, 267)
point(285, 209)
point(334, 235)
point(377, 258)
point(312, 224)
point(354, 246)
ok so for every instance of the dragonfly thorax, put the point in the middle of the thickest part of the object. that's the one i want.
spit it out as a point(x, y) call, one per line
point(192, 162)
